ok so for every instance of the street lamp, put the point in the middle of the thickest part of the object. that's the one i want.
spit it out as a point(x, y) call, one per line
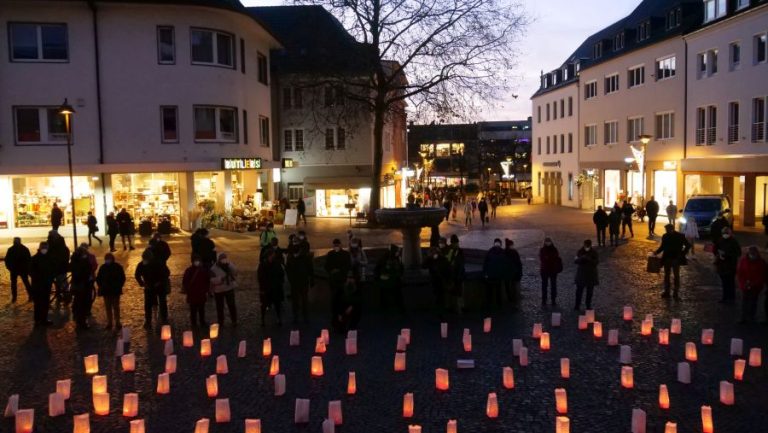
point(67, 111)
point(644, 139)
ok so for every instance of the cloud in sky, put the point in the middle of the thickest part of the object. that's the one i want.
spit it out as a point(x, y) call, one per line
point(557, 29)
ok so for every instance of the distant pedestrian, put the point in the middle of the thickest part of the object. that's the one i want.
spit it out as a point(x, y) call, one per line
point(474, 207)
point(671, 212)
point(42, 271)
point(388, 275)
point(673, 248)
point(652, 210)
point(600, 219)
point(550, 264)
point(223, 285)
point(627, 210)
point(17, 261)
point(93, 228)
point(529, 196)
point(586, 274)
point(727, 254)
point(110, 280)
point(447, 206)
point(153, 276)
point(751, 273)
point(57, 216)
point(301, 211)
point(270, 276)
point(494, 205)
point(82, 297)
point(468, 214)
point(455, 256)
point(127, 228)
point(494, 271)
point(196, 284)
point(513, 273)
point(112, 231)
point(300, 272)
point(614, 224)
point(439, 275)
point(691, 232)
point(483, 208)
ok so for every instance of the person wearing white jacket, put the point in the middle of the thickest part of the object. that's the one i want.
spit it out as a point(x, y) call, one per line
point(223, 285)
point(691, 232)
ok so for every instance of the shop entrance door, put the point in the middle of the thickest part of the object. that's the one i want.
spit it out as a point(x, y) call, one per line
point(612, 186)
point(665, 186)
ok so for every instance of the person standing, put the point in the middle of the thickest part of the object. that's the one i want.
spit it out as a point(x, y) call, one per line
point(81, 269)
point(358, 259)
point(347, 306)
point(614, 224)
point(126, 228)
point(388, 274)
point(265, 239)
point(513, 273)
point(447, 206)
point(57, 216)
point(153, 275)
point(455, 256)
point(627, 210)
point(483, 208)
point(727, 254)
point(17, 260)
point(301, 211)
point(467, 213)
point(671, 212)
point(112, 231)
point(691, 233)
point(42, 271)
point(338, 263)
point(110, 279)
point(717, 227)
point(159, 247)
point(223, 285)
point(600, 219)
point(652, 210)
point(586, 274)
point(550, 264)
point(674, 247)
point(494, 205)
point(60, 254)
point(751, 274)
point(439, 271)
point(196, 284)
point(494, 271)
point(270, 277)
point(300, 273)
point(93, 228)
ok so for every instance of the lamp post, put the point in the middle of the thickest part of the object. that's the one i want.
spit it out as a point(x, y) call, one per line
point(67, 111)
point(644, 139)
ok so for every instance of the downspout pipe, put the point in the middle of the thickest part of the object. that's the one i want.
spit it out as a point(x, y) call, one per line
point(99, 127)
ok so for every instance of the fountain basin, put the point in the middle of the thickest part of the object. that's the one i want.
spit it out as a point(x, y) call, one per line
point(410, 221)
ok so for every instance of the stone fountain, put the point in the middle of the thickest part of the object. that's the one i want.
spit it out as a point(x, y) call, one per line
point(410, 222)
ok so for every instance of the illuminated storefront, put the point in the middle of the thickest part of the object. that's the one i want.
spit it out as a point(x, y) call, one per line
point(612, 187)
point(152, 196)
point(665, 186)
point(33, 198)
point(333, 202)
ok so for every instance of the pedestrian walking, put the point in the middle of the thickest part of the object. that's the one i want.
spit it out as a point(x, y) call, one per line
point(110, 280)
point(494, 272)
point(600, 219)
point(300, 272)
point(270, 276)
point(627, 210)
point(494, 205)
point(80, 267)
point(550, 264)
point(347, 306)
point(467, 214)
point(614, 223)
point(691, 233)
point(586, 274)
point(223, 285)
point(388, 274)
point(42, 271)
point(674, 247)
point(455, 256)
point(652, 210)
point(482, 207)
point(126, 228)
point(17, 261)
point(93, 228)
point(153, 276)
point(112, 231)
point(727, 254)
point(439, 273)
point(671, 212)
point(196, 284)
point(474, 207)
point(751, 274)
point(57, 216)
point(301, 211)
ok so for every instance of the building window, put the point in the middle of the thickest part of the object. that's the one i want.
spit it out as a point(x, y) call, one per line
point(611, 130)
point(30, 42)
point(549, 143)
point(538, 114)
point(714, 9)
point(334, 95)
point(590, 135)
point(262, 68)
point(635, 128)
point(288, 140)
point(539, 146)
point(242, 55)
point(706, 125)
point(666, 68)
point(329, 138)
point(264, 131)
point(665, 126)
point(554, 110)
point(562, 108)
point(292, 97)
point(761, 48)
point(335, 139)
point(570, 106)
point(673, 18)
point(215, 123)
point(618, 41)
point(758, 120)
point(611, 84)
point(554, 144)
point(293, 140)
point(636, 76)
point(590, 90)
point(598, 50)
point(562, 143)
point(644, 31)
point(733, 122)
point(734, 50)
point(570, 142)
point(166, 45)
point(169, 116)
point(707, 63)
point(741, 4)
point(212, 47)
point(39, 125)
point(548, 117)
point(245, 126)
point(570, 186)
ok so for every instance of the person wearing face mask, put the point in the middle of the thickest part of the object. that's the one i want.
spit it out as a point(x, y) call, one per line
point(494, 271)
point(716, 228)
point(751, 274)
point(42, 273)
point(513, 273)
point(586, 273)
point(110, 279)
point(196, 284)
point(81, 270)
point(304, 241)
point(550, 264)
point(439, 273)
point(727, 254)
point(265, 239)
point(153, 275)
point(160, 248)
point(270, 276)
point(300, 273)
point(338, 263)
point(674, 247)
point(223, 285)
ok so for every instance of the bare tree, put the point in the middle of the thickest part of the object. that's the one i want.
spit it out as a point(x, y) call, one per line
point(444, 58)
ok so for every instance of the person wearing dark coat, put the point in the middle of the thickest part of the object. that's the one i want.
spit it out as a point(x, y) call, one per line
point(300, 272)
point(196, 284)
point(600, 219)
point(110, 280)
point(482, 207)
point(338, 263)
point(586, 274)
point(388, 275)
point(674, 247)
point(550, 265)
point(112, 231)
point(513, 274)
point(153, 275)
point(652, 210)
point(727, 254)
point(494, 272)
point(455, 256)
point(42, 272)
point(93, 228)
point(301, 211)
point(57, 216)
point(159, 247)
point(126, 228)
point(627, 210)
point(59, 253)
point(716, 228)
point(347, 305)
point(614, 223)
point(203, 247)
point(270, 276)
point(439, 272)
point(82, 296)
point(17, 260)
point(751, 273)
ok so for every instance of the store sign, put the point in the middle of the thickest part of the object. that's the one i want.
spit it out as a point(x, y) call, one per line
point(240, 163)
point(288, 163)
point(552, 164)
point(670, 165)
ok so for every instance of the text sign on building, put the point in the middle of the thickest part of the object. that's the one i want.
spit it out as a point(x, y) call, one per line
point(240, 163)
point(288, 163)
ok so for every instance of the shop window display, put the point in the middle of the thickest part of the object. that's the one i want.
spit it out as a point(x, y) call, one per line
point(33, 198)
point(332, 202)
point(148, 196)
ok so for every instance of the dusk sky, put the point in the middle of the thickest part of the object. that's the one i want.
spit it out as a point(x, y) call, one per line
point(558, 27)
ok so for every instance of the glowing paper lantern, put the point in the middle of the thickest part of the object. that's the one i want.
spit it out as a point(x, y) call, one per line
point(99, 384)
point(646, 327)
point(295, 338)
point(165, 332)
point(638, 421)
point(279, 385)
point(202, 425)
point(649, 318)
point(241, 349)
point(212, 386)
point(326, 336)
point(684, 372)
point(406, 333)
point(536, 332)
point(590, 314)
point(664, 337)
point(663, 397)
point(544, 341)
point(91, 364)
point(137, 426)
point(613, 337)
point(487, 325)
point(452, 426)
point(556, 320)
point(13, 406)
point(119, 348)
point(627, 313)
point(565, 368)
point(222, 367)
point(727, 396)
point(222, 410)
point(523, 356)
point(266, 347)
point(739, 366)
point(402, 344)
point(82, 423)
point(56, 404)
point(597, 329)
point(508, 377)
point(163, 383)
point(707, 426)
point(168, 348)
point(170, 364)
point(128, 362)
point(328, 426)
point(441, 379)
point(350, 346)
point(562, 424)
point(252, 426)
point(414, 428)
point(274, 366)
point(690, 352)
point(205, 347)
point(63, 387)
point(627, 378)
point(130, 404)
point(670, 427)
point(492, 406)
point(351, 383)
point(25, 420)
point(213, 332)
point(707, 337)
point(320, 345)
point(101, 403)
point(317, 366)
point(625, 355)
point(561, 401)
point(517, 344)
point(187, 339)
point(583, 323)
point(400, 361)
point(466, 341)
point(755, 357)
point(352, 333)
point(334, 412)
point(443, 330)
point(737, 346)
point(408, 405)
point(676, 327)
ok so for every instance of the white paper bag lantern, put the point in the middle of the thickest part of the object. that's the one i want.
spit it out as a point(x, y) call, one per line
point(320, 345)
point(213, 331)
point(301, 411)
point(613, 337)
point(202, 425)
point(170, 364)
point(63, 387)
point(294, 339)
point(649, 318)
point(755, 357)
point(707, 425)
point(536, 332)
point(205, 347)
point(739, 366)
point(187, 339)
point(13, 406)
point(334, 412)
point(326, 336)
point(408, 405)
point(99, 384)
point(556, 320)
point(128, 362)
point(119, 348)
point(664, 337)
point(165, 332)
point(544, 343)
point(466, 341)
point(352, 333)
point(168, 348)
point(627, 313)
point(328, 426)
point(101, 403)
point(350, 346)
point(517, 344)
point(252, 426)
point(402, 344)
point(670, 427)
point(590, 314)
point(316, 368)
point(222, 410)
point(163, 383)
point(137, 426)
point(414, 428)
point(663, 397)
point(125, 334)
point(508, 377)
point(130, 404)
point(597, 329)
point(727, 396)
point(443, 330)
point(452, 426)
point(351, 383)
point(523, 356)
point(212, 386)
point(492, 406)
point(487, 325)
point(91, 364)
point(406, 333)
point(274, 366)
point(400, 361)
point(625, 354)
point(684, 372)
point(562, 424)
point(565, 368)
point(737, 346)
point(279, 385)
point(583, 323)
point(81, 423)
point(221, 364)
point(25, 420)
point(707, 337)
point(561, 401)
point(646, 327)
point(676, 327)
point(627, 377)
point(56, 404)
point(241, 349)
point(266, 347)
point(638, 421)
point(441, 379)
point(690, 352)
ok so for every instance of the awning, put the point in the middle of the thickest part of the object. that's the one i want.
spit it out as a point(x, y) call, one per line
point(337, 182)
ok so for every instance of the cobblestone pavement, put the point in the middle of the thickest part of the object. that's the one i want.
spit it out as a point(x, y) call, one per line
point(32, 360)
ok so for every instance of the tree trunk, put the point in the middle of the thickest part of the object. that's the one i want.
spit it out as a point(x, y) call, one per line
point(378, 155)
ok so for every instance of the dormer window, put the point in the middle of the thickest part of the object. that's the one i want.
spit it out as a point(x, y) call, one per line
point(644, 31)
point(674, 17)
point(618, 41)
point(714, 9)
point(598, 50)
point(565, 73)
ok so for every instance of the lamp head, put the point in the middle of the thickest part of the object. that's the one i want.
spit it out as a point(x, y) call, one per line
point(66, 109)
point(645, 138)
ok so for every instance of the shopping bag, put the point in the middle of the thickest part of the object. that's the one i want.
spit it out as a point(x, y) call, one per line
point(654, 265)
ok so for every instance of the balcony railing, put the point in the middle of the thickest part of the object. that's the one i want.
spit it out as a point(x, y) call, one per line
point(758, 132)
point(733, 134)
point(711, 136)
point(700, 134)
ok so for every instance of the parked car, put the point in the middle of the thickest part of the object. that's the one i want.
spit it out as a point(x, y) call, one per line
point(705, 208)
